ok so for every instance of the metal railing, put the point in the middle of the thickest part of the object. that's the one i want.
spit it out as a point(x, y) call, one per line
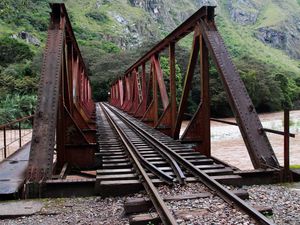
point(286, 143)
point(14, 134)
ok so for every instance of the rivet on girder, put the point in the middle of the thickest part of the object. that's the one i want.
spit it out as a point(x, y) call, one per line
point(36, 140)
point(40, 114)
point(250, 108)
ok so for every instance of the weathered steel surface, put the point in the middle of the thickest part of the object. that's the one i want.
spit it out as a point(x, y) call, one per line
point(173, 107)
point(64, 115)
point(187, 83)
point(160, 81)
point(198, 129)
point(180, 32)
point(203, 177)
point(43, 137)
point(206, 39)
point(160, 206)
point(143, 104)
point(258, 145)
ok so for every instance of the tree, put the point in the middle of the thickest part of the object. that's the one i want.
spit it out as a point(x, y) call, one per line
point(164, 63)
point(13, 51)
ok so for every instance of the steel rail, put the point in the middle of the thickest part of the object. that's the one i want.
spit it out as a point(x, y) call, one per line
point(152, 168)
point(176, 168)
point(211, 183)
point(160, 206)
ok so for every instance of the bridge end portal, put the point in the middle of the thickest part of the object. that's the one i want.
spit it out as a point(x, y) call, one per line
point(207, 44)
point(64, 124)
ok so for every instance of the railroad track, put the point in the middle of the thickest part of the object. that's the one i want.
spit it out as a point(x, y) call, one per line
point(154, 159)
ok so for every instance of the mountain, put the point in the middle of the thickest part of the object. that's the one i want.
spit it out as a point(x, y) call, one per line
point(263, 38)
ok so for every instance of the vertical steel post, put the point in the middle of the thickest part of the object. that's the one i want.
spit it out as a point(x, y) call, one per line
point(144, 86)
point(286, 144)
point(155, 100)
point(160, 81)
point(204, 119)
point(187, 82)
point(4, 141)
point(20, 135)
point(172, 86)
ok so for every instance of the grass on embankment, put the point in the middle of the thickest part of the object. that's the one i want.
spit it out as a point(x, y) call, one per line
point(294, 166)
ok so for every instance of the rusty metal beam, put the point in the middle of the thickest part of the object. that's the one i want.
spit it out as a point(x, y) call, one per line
point(198, 129)
point(135, 100)
point(180, 32)
point(160, 81)
point(257, 143)
point(173, 106)
point(45, 120)
point(187, 82)
point(143, 104)
point(64, 114)
point(206, 40)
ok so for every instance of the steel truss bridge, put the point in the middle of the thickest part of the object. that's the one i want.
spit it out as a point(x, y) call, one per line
point(139, 130)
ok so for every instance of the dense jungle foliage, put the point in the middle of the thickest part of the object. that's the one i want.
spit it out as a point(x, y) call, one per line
point(271, 77)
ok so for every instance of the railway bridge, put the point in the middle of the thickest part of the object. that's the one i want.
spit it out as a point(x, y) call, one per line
point(133, 142)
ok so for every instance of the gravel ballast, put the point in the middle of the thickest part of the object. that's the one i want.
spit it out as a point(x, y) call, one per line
point(284, 202)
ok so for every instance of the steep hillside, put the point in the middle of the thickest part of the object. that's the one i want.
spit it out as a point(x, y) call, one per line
point(263, 38)
point(261, 29)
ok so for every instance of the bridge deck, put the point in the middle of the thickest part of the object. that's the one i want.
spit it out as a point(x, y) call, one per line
point(12, 172)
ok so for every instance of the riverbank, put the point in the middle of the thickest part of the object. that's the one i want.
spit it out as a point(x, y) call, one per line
point(228, 145)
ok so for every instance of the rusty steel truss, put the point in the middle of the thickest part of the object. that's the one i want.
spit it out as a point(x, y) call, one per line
point(64, 124)
point(137, 91)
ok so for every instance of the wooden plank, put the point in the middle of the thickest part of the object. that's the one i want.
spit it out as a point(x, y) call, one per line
point(119, 188)
point(201, 161)
point(114, 171)
point(116, 165)
point(223, 171)
point(104, 161)
point(142, 219)
point(264, 209)
point(117, 177)
point(229, 179)
point(137, 205)
point(243, 194)
point(186, 197)
point(140, 205)
point(212, 166)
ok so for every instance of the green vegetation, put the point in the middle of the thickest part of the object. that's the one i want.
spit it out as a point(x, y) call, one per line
point(18, 86)
point(13, 51)
point(271, 77)
point(294, 166)
point(272, 15)
point(98, 16)
point(164, 63)
point(16, 106)
point(104, 31)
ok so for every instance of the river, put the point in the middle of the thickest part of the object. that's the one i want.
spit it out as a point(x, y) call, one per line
point(228, 145)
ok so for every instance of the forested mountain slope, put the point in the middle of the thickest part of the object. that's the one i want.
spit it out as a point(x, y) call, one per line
point(263, 38)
